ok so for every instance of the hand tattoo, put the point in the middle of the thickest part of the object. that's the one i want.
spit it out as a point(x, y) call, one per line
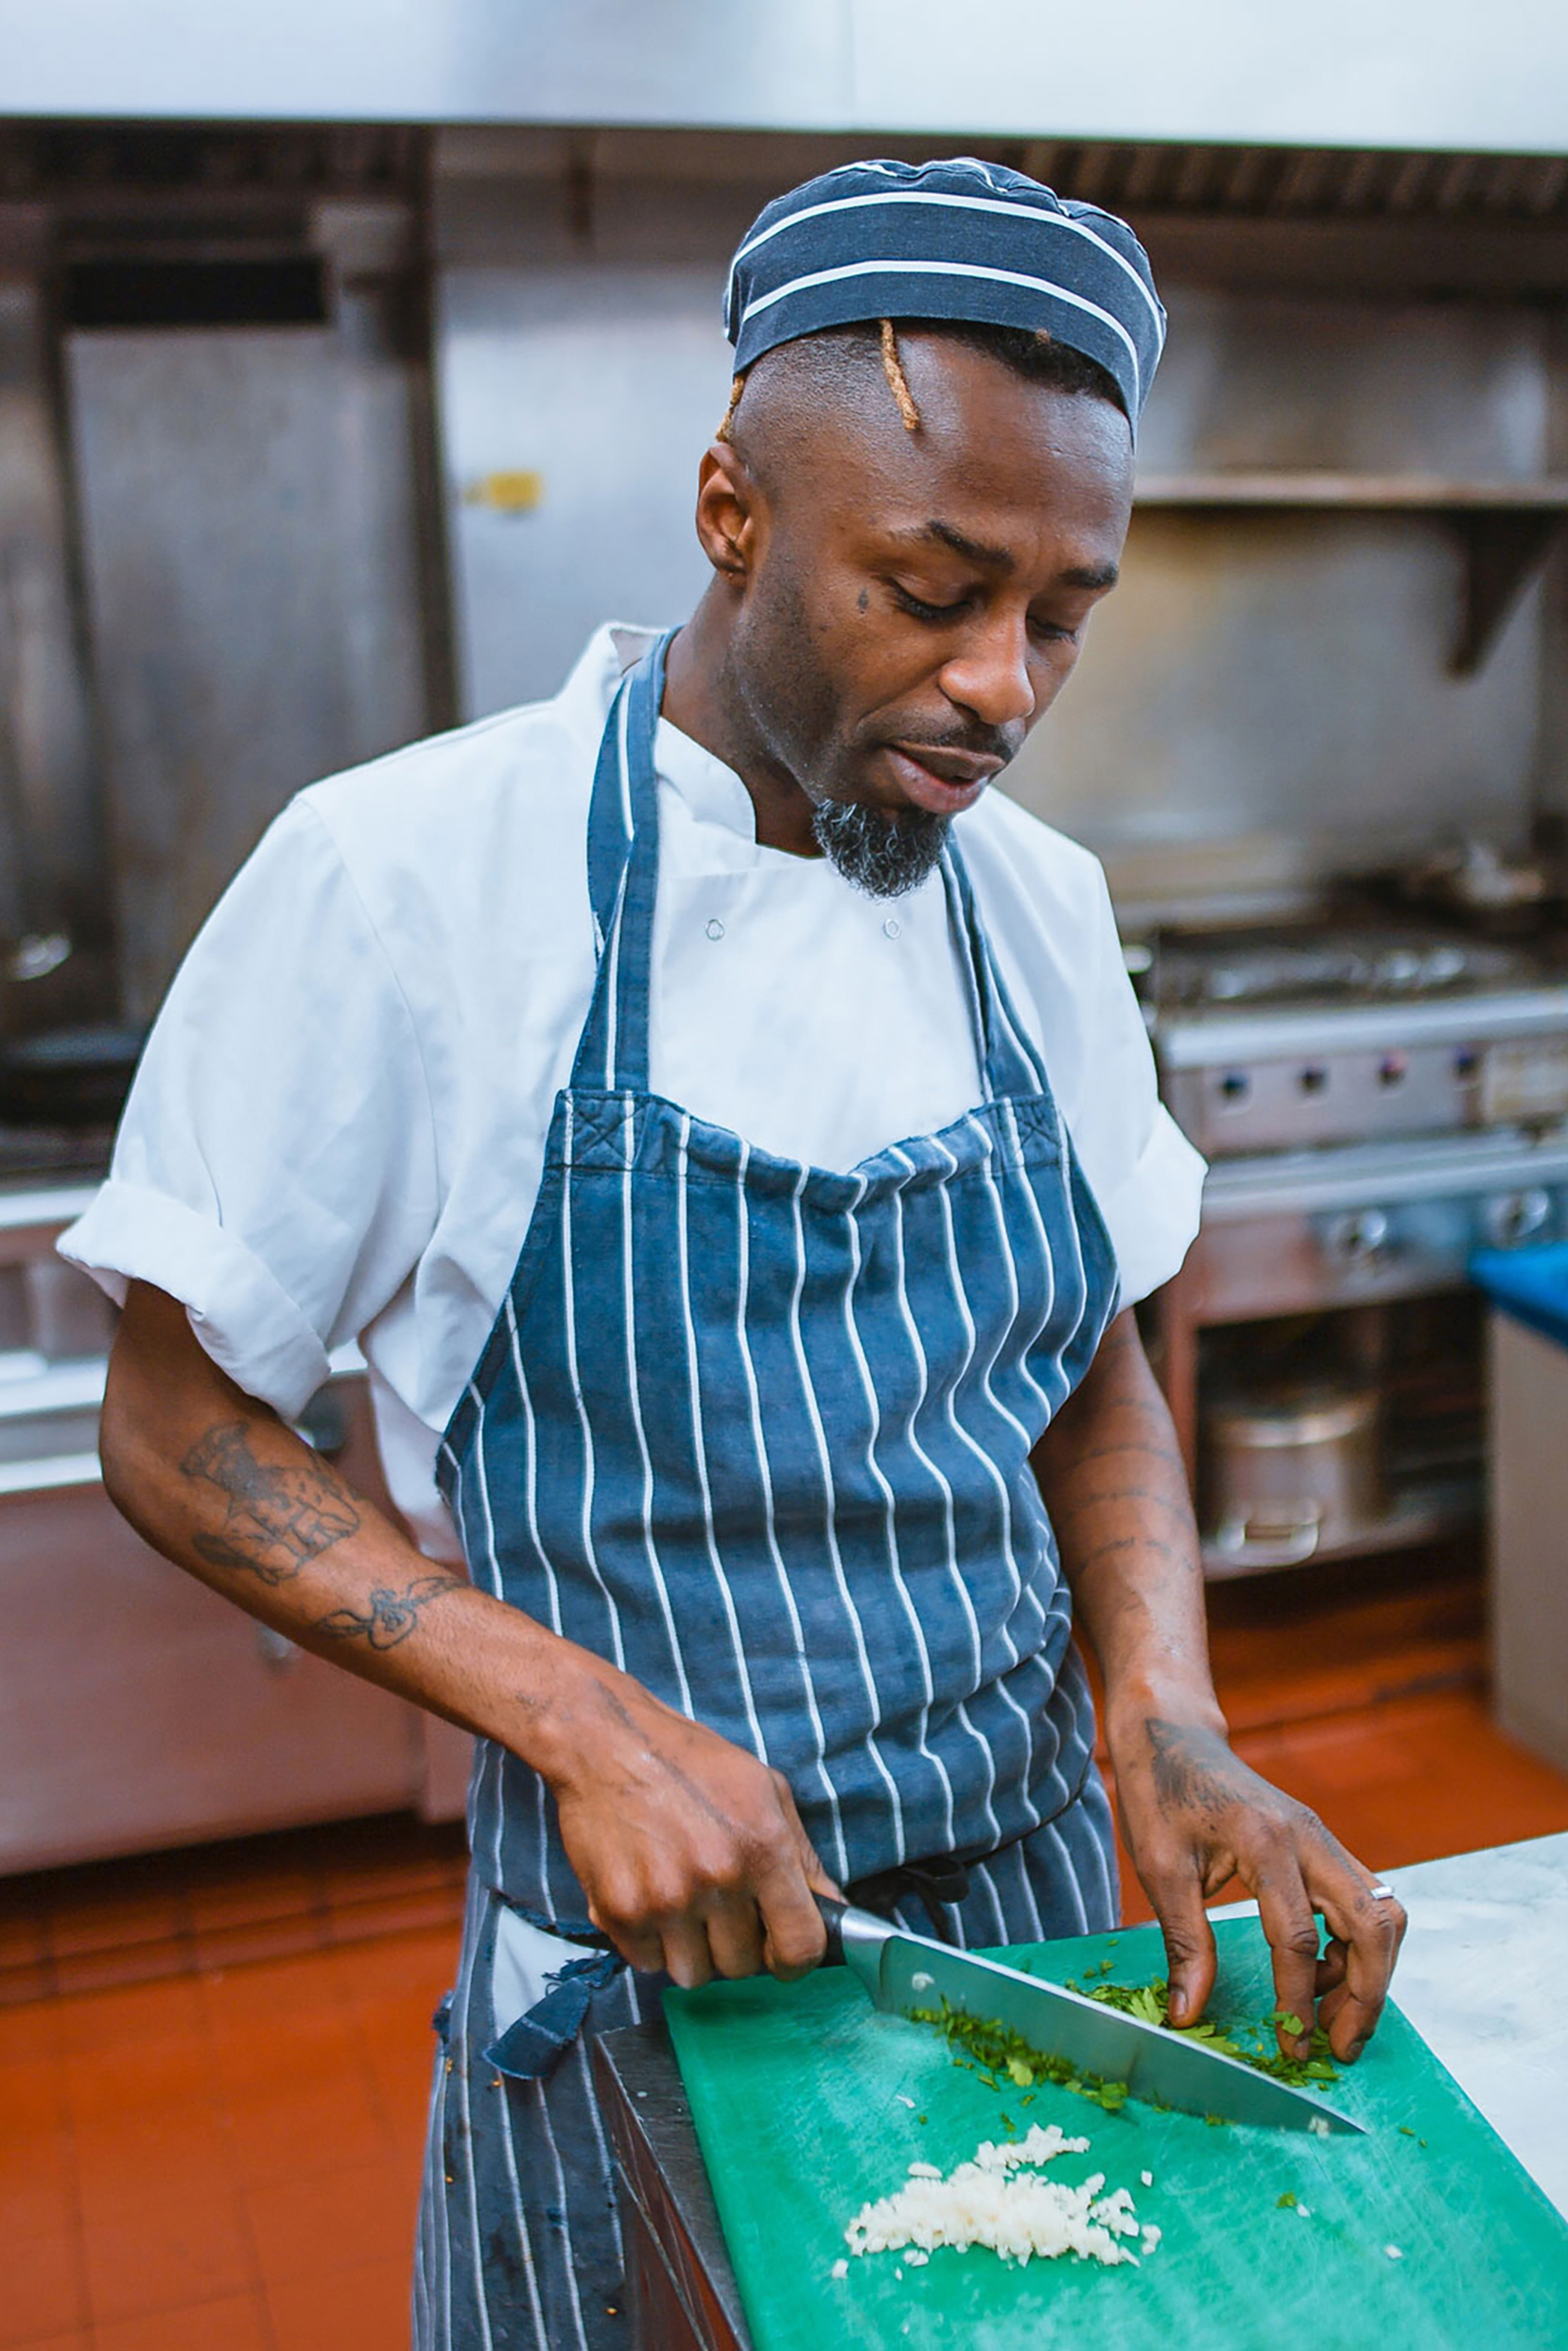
point(1192, 1767)
point(391, 1616)
point(278, 1520)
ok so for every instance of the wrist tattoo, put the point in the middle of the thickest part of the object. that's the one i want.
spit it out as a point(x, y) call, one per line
point(276, 1518)
point(390, 1615)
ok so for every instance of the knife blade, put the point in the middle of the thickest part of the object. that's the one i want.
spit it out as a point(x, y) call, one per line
point(903, 1971)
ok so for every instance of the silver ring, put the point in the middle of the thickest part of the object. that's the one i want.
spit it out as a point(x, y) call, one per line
point(1382, 1894)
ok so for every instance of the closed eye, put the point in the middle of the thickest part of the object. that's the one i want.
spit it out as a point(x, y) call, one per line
point(921, 610)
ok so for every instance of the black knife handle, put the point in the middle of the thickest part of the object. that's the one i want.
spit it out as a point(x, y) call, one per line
point(833, 1915)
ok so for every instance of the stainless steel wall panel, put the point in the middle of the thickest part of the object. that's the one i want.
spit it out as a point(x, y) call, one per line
point(1264, 699)
point(608, 382)
point(50, 867)
point(251, 559)
point(1348, 384)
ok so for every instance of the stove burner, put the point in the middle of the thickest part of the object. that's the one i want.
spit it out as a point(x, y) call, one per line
point(1330, 967)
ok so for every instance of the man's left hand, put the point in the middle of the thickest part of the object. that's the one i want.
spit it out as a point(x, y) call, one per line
point(1194, 1815)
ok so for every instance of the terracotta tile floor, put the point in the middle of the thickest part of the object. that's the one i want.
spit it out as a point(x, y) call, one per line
point(212, 2142)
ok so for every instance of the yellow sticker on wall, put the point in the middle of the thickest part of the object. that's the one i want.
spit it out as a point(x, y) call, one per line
point(506, 493)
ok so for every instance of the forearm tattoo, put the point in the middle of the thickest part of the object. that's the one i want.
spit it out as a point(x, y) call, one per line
point(390, 1617)
point(276, 1519)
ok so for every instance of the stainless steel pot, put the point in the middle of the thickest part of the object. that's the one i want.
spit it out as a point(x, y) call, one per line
point(1294, 1473)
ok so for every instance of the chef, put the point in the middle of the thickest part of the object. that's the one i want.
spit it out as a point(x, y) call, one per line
point(723, 1122)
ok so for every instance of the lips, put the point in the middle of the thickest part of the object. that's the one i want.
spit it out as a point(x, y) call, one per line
point(941, 781)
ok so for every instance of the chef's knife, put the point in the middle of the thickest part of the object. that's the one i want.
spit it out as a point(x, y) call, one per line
point(903, 1972)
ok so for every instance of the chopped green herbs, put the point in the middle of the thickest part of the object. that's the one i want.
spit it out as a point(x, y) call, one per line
point(1287, 2202)
point(1150, 2002)
point(994, 2050)
point(1001, 2056)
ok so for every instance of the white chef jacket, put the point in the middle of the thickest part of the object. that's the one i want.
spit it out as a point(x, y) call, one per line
point(338, 1129)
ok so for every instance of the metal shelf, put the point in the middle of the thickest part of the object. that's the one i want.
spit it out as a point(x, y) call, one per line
point(1507, 528)
point(1434, 494)
point(1423, 1511)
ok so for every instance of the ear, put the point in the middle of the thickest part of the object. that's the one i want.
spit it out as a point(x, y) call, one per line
point(729, 513)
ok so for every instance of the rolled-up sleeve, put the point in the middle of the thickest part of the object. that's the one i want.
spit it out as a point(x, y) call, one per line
point(275, 1169)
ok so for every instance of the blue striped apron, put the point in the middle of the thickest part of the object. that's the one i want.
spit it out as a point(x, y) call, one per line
point(760, 1433)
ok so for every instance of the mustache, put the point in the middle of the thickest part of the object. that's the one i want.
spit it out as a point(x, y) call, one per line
point(1002, 744)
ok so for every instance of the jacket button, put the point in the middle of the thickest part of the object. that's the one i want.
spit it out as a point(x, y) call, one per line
point(715, 928)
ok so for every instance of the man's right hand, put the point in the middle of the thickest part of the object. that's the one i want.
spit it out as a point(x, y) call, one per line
point(691, 1851)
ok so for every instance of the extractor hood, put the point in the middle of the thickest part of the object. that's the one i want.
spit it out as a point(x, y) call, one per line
point(1406, 73)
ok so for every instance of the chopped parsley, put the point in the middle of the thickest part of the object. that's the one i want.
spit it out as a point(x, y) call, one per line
point(992, 2049)
point(1150, 2003)
point(1002, 2057)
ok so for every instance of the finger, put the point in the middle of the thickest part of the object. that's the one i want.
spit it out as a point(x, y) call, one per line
point(1371, 1931)
point(1331, 1970)
point(734, 1936)
point(811, 1863)
point(1286, 1912)
point(794, 1935)
point(638, 1946)
point(1190, 1957)
point(687, 1955)
point(815, 1874)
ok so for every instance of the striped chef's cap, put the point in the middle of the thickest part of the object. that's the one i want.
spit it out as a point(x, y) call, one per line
point(950, 239)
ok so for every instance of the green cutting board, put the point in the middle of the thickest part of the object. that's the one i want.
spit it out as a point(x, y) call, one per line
point(798, 2093)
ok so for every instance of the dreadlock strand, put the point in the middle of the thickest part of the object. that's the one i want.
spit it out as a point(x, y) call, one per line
point(737, 387)
point(893, 368)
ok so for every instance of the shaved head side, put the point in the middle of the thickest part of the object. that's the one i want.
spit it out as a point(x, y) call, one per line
point(783, 398)
point(860, 369)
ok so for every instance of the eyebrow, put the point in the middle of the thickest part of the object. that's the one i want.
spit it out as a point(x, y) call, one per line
point(1092, 576)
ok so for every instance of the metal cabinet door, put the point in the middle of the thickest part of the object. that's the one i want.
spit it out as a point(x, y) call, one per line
point(251, 556)
point(137, 1709)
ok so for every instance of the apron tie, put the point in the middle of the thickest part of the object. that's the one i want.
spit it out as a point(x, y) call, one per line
point(530, 2049)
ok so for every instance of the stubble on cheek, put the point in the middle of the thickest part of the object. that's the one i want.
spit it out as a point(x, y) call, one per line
point(791, 693)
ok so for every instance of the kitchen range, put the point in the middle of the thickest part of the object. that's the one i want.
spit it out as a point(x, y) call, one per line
point(1377, 1098)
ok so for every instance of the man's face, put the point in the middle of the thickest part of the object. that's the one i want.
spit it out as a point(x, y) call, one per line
point(912, 603)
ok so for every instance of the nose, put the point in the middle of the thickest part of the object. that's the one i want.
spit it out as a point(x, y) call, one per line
point(990, 677)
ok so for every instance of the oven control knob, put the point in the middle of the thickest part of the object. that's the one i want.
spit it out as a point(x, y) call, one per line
point(1513, 1218)
point(1235, 1086)
point(1361, 1238)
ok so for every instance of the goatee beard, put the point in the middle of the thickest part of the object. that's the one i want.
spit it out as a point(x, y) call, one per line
point(885, 856)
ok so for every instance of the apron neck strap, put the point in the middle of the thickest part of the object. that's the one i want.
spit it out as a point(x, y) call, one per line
point(1008, 1060)
point(623, 878)
point(623, 873)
